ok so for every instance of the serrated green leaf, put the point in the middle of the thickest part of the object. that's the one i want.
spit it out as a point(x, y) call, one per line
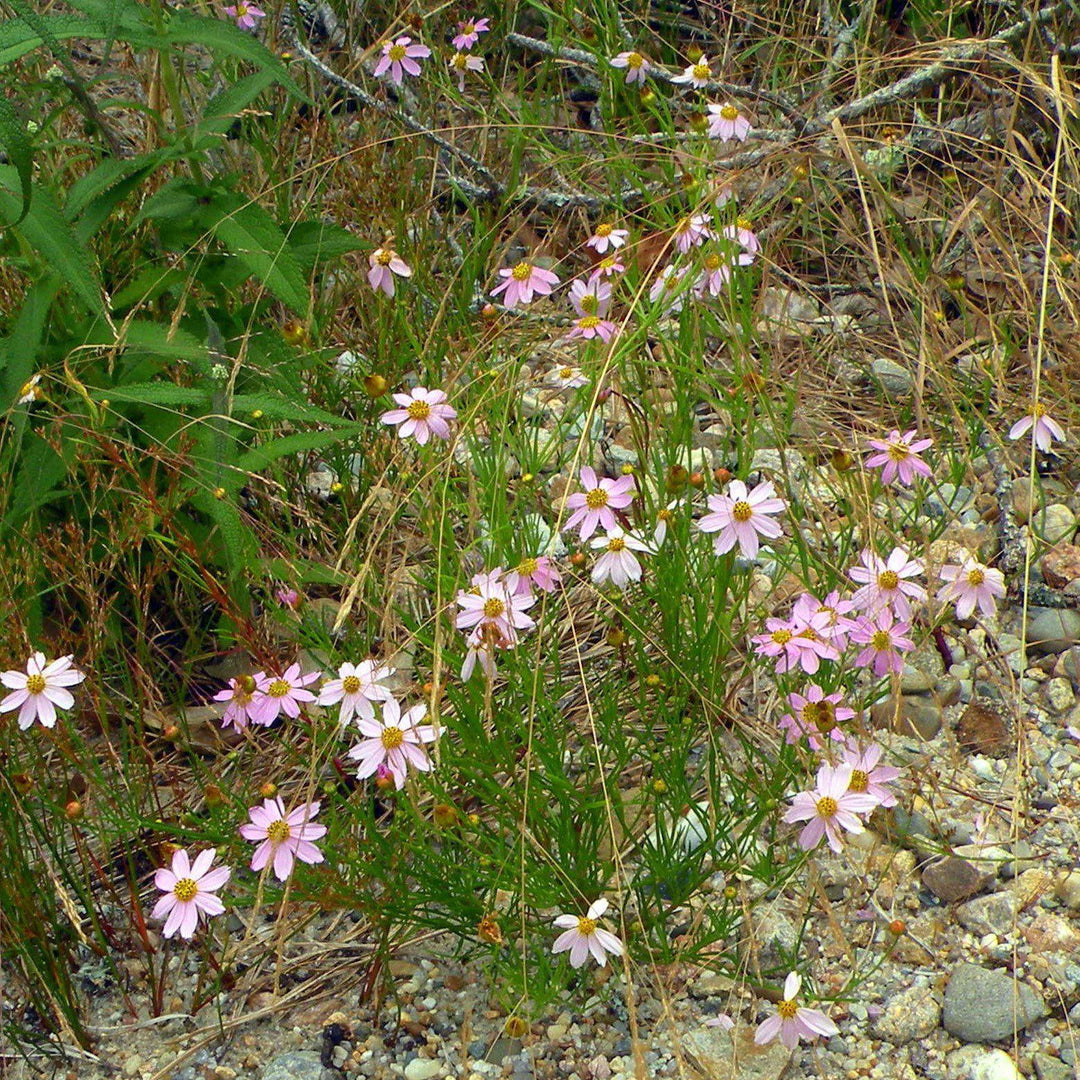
point(18, 351)
point(178, 198)
point(222, 109)
point(312, 242)
point(301, 442)
point(40, 472)
point(155, 394)
point(15, 142)
point(105, 176)
point(277, 408)
point(158, 339)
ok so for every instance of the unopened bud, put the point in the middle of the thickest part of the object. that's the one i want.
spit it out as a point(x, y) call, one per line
point(268, 790)
point(697, 480)
point(212, 795)
point(375, 385)
point(577, 559)
point(74, 810)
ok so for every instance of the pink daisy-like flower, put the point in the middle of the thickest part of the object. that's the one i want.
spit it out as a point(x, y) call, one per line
point(356, 687)
point(726, 122)
point(383, 264)
point(867, 776)
point(592, 326)
point(1046, 428)
point(829, 616)
point(537, 572)
point(565, 377)
point(243, 696)
point(742, 232)
point(423, 414)
point(400, 57)
point(696, 75)
point(189, 892)
point(692, 231)
point(793, 1021)
point(595, 506)
point(741, 516)
point(780, 642)
point(583, 935)
point(666, 290)
point(247, 16)
point(899, 454)
point(591, 297)
point(886, 642)
point(814, 645)
point(636, 65)
point(468, 33)
point(608, 266)
point(814, 716)
point(491, 600)
point(283, 693)
point(618, 564)
point(664, 518)
point(715, 274)
point(885, 582)
point(41, 690)
point(462, 62)
point(607, 236)
point(522, 281)
point(396, 741)
point(289, 598)
point(284, 837)
point(830, 809)
point(972, 584)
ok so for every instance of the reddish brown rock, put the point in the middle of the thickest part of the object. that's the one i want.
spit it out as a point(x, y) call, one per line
point(983, 730)
point(1061, 565)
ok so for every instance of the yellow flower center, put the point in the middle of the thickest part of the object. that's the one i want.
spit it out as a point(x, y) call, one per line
point(522, 271)
point(585, 927)
point(745, 224)
point(527, 567)
point(728, 111)
point(616, 543)
point(418, 410)
point(608, 263)
point(605, 229)
point(859, 781)
point(278, 688)
point(742, 511)
point(596, 498)
point(975, 577)
point(712, 262)
point(350, 684)
point(782, 636)
point(185, 889)
point(1038, 410)
point(590, 303)
point(493, 608)
point(787, 1010)
point(701, 72)
point(279, 831)
point(383, 257)
point(881, 641)
point(459, 61)
point(392, 738)
point(898, 451)
point(589, 322)
point(888, 579)
point(635, 60)
point(827, 807)
point(35, 684)
point(566, 373)
point(683, 226)
point(397, 53)
point(665, 515)
point(809, 633)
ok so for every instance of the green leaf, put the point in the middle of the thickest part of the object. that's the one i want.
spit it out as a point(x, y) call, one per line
point(304, 572)
point(18, 37)
point(148, 284)
point(313, 242)
point(158, 339)
point(178, 198)
point(19, 350)
point(288, 445)
point(277, 408)
point(222, 109)
point(105, 176)
point(162, 393)
point(40, 473)
point(14, 140)
point(45, 230)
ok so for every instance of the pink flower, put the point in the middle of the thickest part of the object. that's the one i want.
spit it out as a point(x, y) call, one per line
point(462, 62)
point(480, 648)
point(289, 598)
point(637, 67)
point(491, 601)
point(591, 297)
point(423, 414)
point(696, 75)
point(780, 641)
point(565, 377)
point(539, 572)
point(246, 15)
point(1046, 428)
point(884, 582)
point(814, 716)
point(592, 326)
point(693, 231)
point(721, 1020)
point(900, 456)
point(831, 622)
point(468, 33)
point(743, 234)
point(830, 809)
point(400, 56)
point(283, 693)
point(188, 892)
point(522, 281)
point(715, 275)
point(867, 776)
point(664, 518)
point(665, 289)
point(243, 697)
point(608, 266)
point(618, 564)
point(792, 1021)
point(726, 122)
point(356, 687)
point(583, 936)
point(285, 837)
point(596, 505)
point(971, 584)
point(885, 642)
point(41, 691)
point(741, 516)
point(395, 741)
point(383, 263)
point(607, 236)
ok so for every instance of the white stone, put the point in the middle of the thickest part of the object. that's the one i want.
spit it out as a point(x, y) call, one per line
point(423, 1069)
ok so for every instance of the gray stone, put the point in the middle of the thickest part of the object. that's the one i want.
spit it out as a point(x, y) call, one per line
point(1052, 1068)
point(893, 377)
point(1052, 630)
point(773, 939)
point(993, 914)
point(1067, 889)
point(298, 1065)
point(1068, 666)
point(947, 690)
point(913, 681)
point(918, 714)
point(1059, 693)
point(909, 1015)
point(733, 1055)
point(783, 306)
point(1056, 523)
point(978, 1063)
point(984, 1006)
point(952, 879)
point(787, 463)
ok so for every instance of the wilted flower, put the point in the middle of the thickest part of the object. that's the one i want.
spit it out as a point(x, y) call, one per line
point(29, 391)
point(637, 66)
point(1046, 428)
point(400, 56)
point(462, 62)
point(665, 289)
point(41, 690)
point(423, 414)
point(520, 282)
point(830, 809)
point(692, 231)
point(583, 936)
point(814, 716)
point(726, 122)
point(743, 234)
point(189, 892)
point(596, 505)
point(971, 584)
point(792, 1021)
point(899, 454)
point(285, 837)
point(468, 33)
point(383, 263)
point(740, 516)
point(396, 741)
point(618, 564)
point(242, 696)
point(714, 276)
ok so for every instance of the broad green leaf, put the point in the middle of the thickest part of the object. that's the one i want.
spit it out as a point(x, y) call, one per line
point(18, 37)
point(105, 176)
point(299, 443)
point(148, 285)
point(222, 109)
point(178, 198)
point(14, 140)
point(19, 350)
point(40, 472)
point(312, 242)
point(155, 338)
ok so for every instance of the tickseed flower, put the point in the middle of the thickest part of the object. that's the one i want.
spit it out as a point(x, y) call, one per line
point(189, 892)
point(383, 263)
point(468, 33)
point(618, 564)
point(29, 391)
point(867, 776)
point(592, 326)
point(533, 572)
point(971, 584)
point(400, 56)
point(356, 687)
point(565, 377)
point(828, 616)
point(637, 66)
point(285, 837)
point(692, 231)
point(792, 1021)
point(595, 506)
point(814, 716)
point(740, 516)
point(289, 598)
point(664, 518)
point(396, 741)
point(522, 281)
point(665, 289)
point(247, 17)
point(583, 936)
point(884, 582)
point(899, 454)
point(742, 232)
point(423, 414)
point(480, 648)
point(491, 601)
point(282, 694)
point(726, 122)
point(780, 641)
point(830, 809)
point(242, 695)
point(715, 274)
point(696, 75)
point(607, 236)
point(886, 641)
point(591, 297)
point(39, 692)
point(462, 62)
point(608, 266)
point(1046, 428)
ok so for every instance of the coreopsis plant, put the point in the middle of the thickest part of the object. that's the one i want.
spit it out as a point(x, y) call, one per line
point(189, 890)
point(423, 415)
point(635, 65)
point(617, 564)
point(396, 741)
point(971, 584)
point(583, 936)
point(283, 837)
point(493, 601)
point(742, 233)
point(726, 122)
point(355, 689)
point(247, 16)
point(461, 63)
point(468, 33)
point(829, 809)
point(282, 694)
point(42, 689)
point(792, 1021)
point(383, 264)
point(607, 236)
point(885, 641)
point(524, 281)
point(595, 507)
point(1046, 428)
point(741, 516)
point(898, 457)
point(241, 695)
point(886, 582)
point(814, 716)
point(696, 74)
point(868, 775)
point(399, 58)
point(692, 231)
